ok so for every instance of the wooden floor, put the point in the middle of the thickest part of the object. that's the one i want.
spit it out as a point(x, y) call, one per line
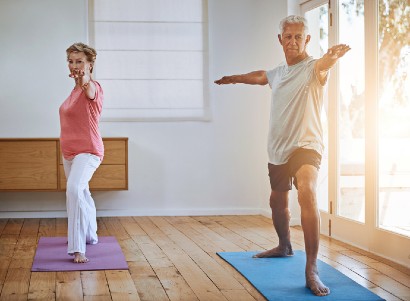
point(173, 258)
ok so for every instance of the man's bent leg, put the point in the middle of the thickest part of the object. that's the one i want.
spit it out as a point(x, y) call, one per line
point(281, 218)
point(306, 178)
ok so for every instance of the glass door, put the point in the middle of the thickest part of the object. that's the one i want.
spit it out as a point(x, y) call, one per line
point(364, 195)
point(341, 189)
point(317, 17)
point(349, 221)
point(394, 117)
point(351, 125)
point(392, 234)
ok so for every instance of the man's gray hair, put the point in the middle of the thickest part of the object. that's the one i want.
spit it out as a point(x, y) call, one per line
point(293, 20)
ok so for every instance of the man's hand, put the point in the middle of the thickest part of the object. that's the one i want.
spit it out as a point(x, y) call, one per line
point(337, 51)
point(225, 80)
point(328, 60)
point(252, 78)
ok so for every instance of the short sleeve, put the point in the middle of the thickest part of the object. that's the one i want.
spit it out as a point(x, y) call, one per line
point(270, 76)
point(314, 76)
point(98, 93)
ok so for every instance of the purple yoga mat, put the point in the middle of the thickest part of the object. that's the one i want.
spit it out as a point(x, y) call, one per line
point(51, 255)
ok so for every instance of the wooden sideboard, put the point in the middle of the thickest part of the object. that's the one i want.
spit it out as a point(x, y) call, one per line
point(35, 164)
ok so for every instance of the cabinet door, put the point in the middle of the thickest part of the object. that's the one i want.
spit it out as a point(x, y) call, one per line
point(28, 165)
point(106, 177)
point(113, 171)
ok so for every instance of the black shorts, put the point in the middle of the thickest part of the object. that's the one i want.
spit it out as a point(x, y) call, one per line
point(281, 176)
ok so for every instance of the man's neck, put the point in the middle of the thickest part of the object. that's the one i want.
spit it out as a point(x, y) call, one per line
point(296, 59)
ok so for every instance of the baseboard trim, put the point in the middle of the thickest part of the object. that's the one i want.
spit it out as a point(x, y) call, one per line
point(135, 212)
point(148, 212)
point(294, 221)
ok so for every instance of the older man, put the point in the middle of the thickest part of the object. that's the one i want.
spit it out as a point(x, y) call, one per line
point(295, 142)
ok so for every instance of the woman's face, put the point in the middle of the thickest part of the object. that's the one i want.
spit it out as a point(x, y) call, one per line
point(77, 61)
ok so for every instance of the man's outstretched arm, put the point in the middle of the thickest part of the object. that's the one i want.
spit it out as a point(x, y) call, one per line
point(252, 78)
point(328, 60)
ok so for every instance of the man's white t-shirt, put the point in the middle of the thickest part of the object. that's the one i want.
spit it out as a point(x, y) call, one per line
point(297, 100)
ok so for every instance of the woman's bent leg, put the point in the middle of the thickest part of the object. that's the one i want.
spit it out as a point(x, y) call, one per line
point(81, 215)
point(91, 235)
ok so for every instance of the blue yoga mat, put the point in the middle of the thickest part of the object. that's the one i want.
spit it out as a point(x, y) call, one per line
point(283, 278)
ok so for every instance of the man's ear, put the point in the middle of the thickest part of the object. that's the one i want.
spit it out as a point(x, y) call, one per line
point(307, 39)
point(280, 39)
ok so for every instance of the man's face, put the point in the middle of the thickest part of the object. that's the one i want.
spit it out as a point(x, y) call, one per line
point(294, 40)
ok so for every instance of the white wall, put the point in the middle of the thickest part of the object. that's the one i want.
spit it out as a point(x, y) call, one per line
point(216, 167)
point(294, 7)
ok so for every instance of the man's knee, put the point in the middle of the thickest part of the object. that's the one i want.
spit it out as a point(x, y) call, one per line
point(278, 198)
point(306, 192)
point(306, 177)
point(307, 197)
point(307, 182)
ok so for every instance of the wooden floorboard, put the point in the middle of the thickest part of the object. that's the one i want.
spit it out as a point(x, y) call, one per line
point(174, 258)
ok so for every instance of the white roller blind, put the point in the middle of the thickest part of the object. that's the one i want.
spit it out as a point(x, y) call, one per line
point(151, 58)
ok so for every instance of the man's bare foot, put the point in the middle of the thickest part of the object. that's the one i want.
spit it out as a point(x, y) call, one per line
point(314, 283)
point(80, 258)
point(275, 252)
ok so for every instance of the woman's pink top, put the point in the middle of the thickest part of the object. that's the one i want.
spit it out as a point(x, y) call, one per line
point(79, 118)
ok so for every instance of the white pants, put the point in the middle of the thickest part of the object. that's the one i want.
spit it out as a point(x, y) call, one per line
point(81, 212)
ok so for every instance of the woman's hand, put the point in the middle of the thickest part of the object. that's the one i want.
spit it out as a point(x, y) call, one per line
point(81, 77)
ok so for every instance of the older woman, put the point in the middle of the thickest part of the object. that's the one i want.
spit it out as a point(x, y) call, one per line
point(82, 148)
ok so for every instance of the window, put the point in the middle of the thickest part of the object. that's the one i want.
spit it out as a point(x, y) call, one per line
point(151, 60)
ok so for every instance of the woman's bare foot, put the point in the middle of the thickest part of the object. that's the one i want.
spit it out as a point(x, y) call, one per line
point(314, 283)
point(276, 252)
point(80, 258)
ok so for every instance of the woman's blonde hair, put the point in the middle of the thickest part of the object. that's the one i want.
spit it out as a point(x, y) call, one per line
point(89, 52)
